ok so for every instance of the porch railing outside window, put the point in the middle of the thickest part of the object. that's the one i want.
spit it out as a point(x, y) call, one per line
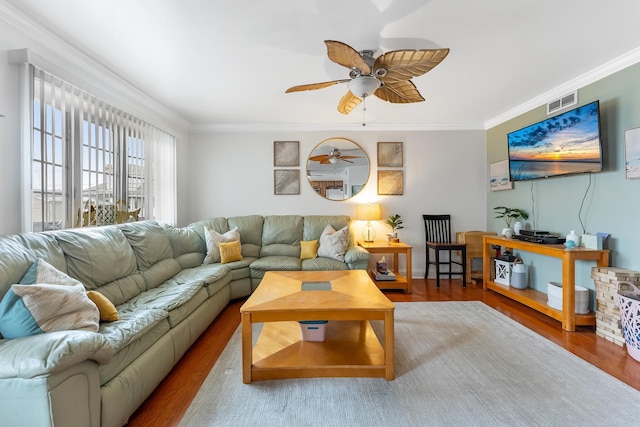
point(93, 164)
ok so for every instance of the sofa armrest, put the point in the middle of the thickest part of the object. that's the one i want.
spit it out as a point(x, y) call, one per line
point(52, 352)
point(357, 258)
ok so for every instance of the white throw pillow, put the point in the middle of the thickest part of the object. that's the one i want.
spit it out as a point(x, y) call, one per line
point(213, 239)
point(333, 244)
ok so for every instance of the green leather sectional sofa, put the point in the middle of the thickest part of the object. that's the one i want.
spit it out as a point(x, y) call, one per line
point(165, 298)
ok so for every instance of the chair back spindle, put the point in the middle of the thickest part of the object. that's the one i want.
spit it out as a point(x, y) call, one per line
point(437, 228)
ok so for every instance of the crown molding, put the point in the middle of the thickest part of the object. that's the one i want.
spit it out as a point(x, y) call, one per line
point(59, 57)
point(598, 73)
point(316, 127)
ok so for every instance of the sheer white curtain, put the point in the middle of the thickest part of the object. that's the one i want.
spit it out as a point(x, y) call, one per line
point(162, 176)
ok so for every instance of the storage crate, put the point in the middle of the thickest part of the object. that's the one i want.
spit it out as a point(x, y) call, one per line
point(313, 330)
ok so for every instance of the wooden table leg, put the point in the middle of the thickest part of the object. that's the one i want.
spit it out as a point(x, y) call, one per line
point(388, 344)
point(247, 348)
point(409, 270)
point(568, 293)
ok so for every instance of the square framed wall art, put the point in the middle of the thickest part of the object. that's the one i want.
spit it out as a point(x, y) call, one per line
point(499, 176)
point(286, 182)
point(286, 153)
point(390, 183)
point(632, 153)
point(390, 154)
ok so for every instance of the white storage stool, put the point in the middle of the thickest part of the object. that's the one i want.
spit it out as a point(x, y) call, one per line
point(554, 297)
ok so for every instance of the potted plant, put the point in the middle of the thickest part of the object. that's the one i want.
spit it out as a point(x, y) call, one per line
point(509, 215)
point(395, 222)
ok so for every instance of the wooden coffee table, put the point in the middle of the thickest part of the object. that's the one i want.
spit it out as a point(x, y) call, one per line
point(351, 348)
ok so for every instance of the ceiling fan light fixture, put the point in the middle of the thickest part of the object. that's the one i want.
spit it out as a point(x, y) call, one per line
point(364, 86)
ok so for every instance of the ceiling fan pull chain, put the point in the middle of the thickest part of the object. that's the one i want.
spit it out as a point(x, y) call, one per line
point(364, 109)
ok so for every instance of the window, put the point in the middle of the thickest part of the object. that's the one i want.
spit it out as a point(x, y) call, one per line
point(92, 164)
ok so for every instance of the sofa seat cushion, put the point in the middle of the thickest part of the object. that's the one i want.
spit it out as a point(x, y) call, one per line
point(207, 273)
point(132, 325)
point(323, 264)
point(214, 287)
point(130, 352)
point(276, 263)
point(169, 297)
point(181, 312)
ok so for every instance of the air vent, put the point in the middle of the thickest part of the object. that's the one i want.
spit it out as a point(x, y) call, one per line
point(562, 102)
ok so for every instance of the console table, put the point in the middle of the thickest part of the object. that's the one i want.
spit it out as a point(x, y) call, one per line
point(536, 299)
point(384, 247)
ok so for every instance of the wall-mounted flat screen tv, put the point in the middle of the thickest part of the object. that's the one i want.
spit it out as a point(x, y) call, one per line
point(566, 144)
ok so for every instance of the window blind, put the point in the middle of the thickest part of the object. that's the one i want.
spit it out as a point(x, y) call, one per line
point(93, 164)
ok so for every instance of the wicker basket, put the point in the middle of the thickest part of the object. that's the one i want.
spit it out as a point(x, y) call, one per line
point(629, 303)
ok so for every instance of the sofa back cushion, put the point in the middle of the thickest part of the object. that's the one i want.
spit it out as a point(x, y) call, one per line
point(314, 225)
point(281, 235)
point(97, 256)
point(149, 242)
point(187, 245)
point(250, 229)
point(19, 251)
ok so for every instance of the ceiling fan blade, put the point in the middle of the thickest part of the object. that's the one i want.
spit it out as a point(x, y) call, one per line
point(314, 86)
point(319, 158)
point(346, 56)
point(402, 92)
point(345, 160)
point(405, 64)
point(348, 102)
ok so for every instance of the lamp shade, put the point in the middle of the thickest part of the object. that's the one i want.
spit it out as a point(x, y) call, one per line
point(368, 212)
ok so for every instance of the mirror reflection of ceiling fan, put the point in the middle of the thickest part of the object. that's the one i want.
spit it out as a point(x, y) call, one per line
point(388, 77)
point(332, 158)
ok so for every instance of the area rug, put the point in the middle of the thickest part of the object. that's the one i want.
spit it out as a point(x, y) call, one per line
point(457, 364)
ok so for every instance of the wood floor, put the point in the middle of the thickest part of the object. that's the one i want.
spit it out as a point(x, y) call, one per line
point(170, 400)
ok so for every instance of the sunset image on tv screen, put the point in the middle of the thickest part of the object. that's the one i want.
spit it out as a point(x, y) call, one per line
point(564, 144)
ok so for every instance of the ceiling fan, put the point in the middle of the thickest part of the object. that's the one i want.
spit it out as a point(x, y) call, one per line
point(332, 158)
point(388, 77)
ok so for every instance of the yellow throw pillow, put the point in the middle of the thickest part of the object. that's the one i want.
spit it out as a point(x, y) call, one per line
point(308, 249)
point(230, 251)
point(108, 312)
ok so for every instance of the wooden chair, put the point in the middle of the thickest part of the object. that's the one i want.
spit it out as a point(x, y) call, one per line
point(437, 230)
point(473, 240)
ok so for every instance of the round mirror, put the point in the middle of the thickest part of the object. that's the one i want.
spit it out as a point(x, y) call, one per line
point(337, 168)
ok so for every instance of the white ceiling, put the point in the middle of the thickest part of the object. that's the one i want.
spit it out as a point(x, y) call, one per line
point(226, 63)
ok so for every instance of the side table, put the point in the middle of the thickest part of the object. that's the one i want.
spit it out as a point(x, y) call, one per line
point(384, 247)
